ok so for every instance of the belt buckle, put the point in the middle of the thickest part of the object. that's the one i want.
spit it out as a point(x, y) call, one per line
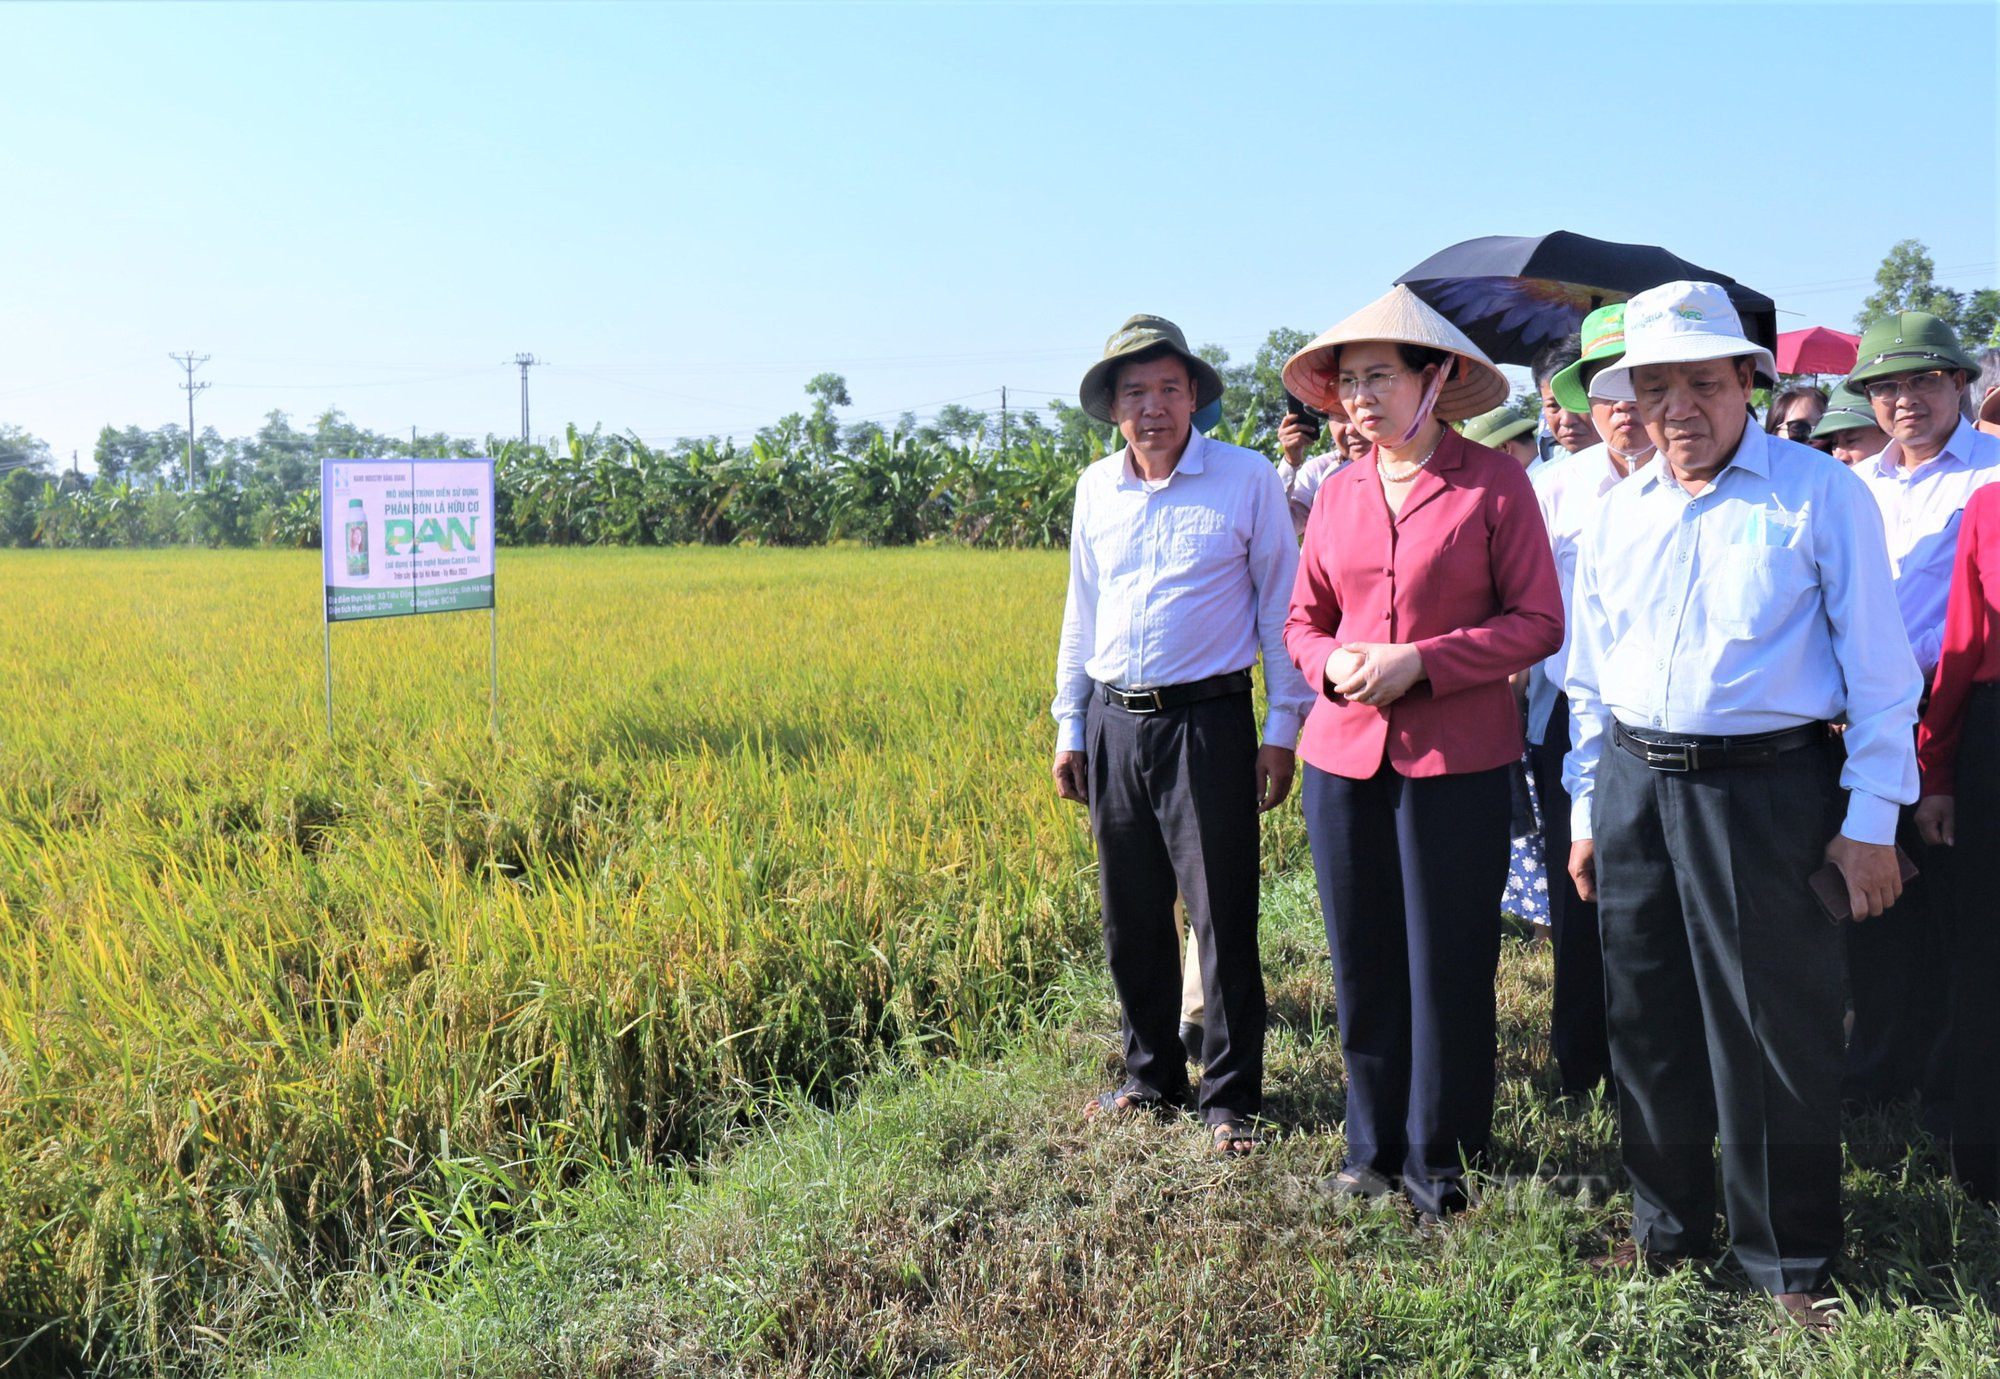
point(1133, 701)
point(1662, 757)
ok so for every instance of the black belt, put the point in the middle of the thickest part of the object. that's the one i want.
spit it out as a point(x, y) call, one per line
point(1693, 752)
point(1176, 696)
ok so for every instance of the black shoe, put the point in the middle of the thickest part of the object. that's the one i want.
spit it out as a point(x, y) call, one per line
point(1191, 1036)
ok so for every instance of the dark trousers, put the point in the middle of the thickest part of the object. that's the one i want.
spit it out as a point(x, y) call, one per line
point(1972, 933)
point(1408, 869)
point(1173, 804)
point(1723, 990)
point(1893, 963)
point(1576, 1029)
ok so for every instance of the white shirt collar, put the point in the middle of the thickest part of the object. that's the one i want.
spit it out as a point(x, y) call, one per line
point(1192, 461)
point(1957, 450)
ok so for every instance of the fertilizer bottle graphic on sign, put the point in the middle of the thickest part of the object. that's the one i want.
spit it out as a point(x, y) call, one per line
point(357, 538)
point(433, 519)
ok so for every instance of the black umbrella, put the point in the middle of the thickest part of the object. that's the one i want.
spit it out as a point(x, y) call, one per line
point(1514, 293)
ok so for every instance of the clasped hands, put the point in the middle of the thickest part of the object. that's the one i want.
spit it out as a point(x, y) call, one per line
point(1373, 673)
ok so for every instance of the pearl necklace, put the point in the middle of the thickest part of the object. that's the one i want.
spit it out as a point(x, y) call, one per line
point(1414, 469)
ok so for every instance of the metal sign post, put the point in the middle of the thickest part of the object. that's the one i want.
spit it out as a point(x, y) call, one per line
point(392, 549)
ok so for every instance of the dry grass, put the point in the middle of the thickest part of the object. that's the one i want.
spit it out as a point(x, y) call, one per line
point(962, 1220)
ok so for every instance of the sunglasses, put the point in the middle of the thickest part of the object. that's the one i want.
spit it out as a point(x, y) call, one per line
point(1796, 430)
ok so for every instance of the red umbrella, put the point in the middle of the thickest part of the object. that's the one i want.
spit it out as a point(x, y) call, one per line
point(1817, 350)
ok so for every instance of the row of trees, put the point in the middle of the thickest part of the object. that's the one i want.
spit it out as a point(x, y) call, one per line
point(806, 479)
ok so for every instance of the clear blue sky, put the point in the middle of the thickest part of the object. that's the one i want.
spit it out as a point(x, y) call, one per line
point(689, 210)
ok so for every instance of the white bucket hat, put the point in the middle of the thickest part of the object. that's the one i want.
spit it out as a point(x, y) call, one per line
point(1678, 323)
point(1400, 318)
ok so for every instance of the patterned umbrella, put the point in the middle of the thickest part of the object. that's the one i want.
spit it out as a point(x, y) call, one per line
point(1514, 293)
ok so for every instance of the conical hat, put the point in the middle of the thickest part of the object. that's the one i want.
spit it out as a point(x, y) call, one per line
point(1400, 318)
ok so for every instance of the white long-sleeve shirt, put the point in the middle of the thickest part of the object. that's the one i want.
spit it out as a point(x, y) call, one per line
point(1920, 512)
point(1761, 603)
point(1177, 580)
point(1568, 491)
point(1304, 481)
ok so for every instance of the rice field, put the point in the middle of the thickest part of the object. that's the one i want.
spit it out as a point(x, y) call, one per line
point(276, 1009)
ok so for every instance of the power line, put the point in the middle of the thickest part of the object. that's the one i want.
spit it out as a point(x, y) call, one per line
point(190, 362)
point(526, 361)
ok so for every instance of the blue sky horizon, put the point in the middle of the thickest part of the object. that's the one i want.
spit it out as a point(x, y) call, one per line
point(689, 210)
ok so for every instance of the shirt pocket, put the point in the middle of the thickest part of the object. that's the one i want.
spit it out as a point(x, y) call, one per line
point(1755, 588)
point(1199, 538)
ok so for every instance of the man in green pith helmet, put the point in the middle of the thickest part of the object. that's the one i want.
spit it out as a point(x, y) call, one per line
point(1569, 493)
point(1914, 373)
point(1506, 430)
point(1849, 428)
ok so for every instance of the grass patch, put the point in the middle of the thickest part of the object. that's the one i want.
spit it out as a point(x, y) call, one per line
point(959, 1218)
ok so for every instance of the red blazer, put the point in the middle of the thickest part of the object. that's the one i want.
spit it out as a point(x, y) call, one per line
point(1464, 573)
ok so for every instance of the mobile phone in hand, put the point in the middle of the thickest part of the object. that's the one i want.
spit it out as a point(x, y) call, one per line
point(1829, 887)
point(1307, 417)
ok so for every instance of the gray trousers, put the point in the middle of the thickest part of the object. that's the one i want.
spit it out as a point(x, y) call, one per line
point(1173, 805)
point(1723, 987)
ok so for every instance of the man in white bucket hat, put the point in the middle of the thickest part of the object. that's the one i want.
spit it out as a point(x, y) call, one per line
point(1732, 600)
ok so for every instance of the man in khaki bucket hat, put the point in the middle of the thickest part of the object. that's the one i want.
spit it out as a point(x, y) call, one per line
point(1181, 566)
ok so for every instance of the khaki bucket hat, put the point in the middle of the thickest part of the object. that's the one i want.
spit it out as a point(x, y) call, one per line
point(1139, 334)
point(1400, 318)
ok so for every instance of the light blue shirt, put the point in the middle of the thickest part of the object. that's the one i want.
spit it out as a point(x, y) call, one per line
point(1920, 512)
point(1179, 579)
point(1568, 491)
point(1761, 603)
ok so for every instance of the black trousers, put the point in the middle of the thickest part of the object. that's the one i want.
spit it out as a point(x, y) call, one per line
point(1723, 988)
point(1576, 1028)
point(1173, 805)
point(1893, 962)
point(1408, 870)
point(1972, 934)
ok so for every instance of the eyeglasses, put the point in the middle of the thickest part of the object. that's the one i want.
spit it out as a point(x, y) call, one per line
point(1374, 384)
point(1915, 384)
point(1796, 430)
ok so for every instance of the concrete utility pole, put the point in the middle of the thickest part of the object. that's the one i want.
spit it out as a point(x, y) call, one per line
point(1003, 421)
point(190, 362)
point(526, 361)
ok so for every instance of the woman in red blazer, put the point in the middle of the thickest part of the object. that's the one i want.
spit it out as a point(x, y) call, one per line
point(1958, 749)
point(1425, 582)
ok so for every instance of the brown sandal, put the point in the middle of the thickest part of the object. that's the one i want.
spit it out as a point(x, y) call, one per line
point(1236, 1138)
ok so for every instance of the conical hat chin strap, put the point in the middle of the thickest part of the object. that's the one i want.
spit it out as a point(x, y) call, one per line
point(1430, 398)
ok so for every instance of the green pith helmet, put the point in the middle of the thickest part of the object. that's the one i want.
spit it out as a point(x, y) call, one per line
point(1908, 342)
point(1602, 338)
point(1845, 411)
point(1137, 335)
point(1497, 427)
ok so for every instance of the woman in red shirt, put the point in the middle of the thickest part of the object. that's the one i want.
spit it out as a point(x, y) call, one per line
point(1958, 751)
point(1425, 582)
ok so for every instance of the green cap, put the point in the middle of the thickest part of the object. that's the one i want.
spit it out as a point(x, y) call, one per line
point(1602, 338)
point(1136, 336)
point(1845, 411)
point(1497, 427)
point(1908, 342)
